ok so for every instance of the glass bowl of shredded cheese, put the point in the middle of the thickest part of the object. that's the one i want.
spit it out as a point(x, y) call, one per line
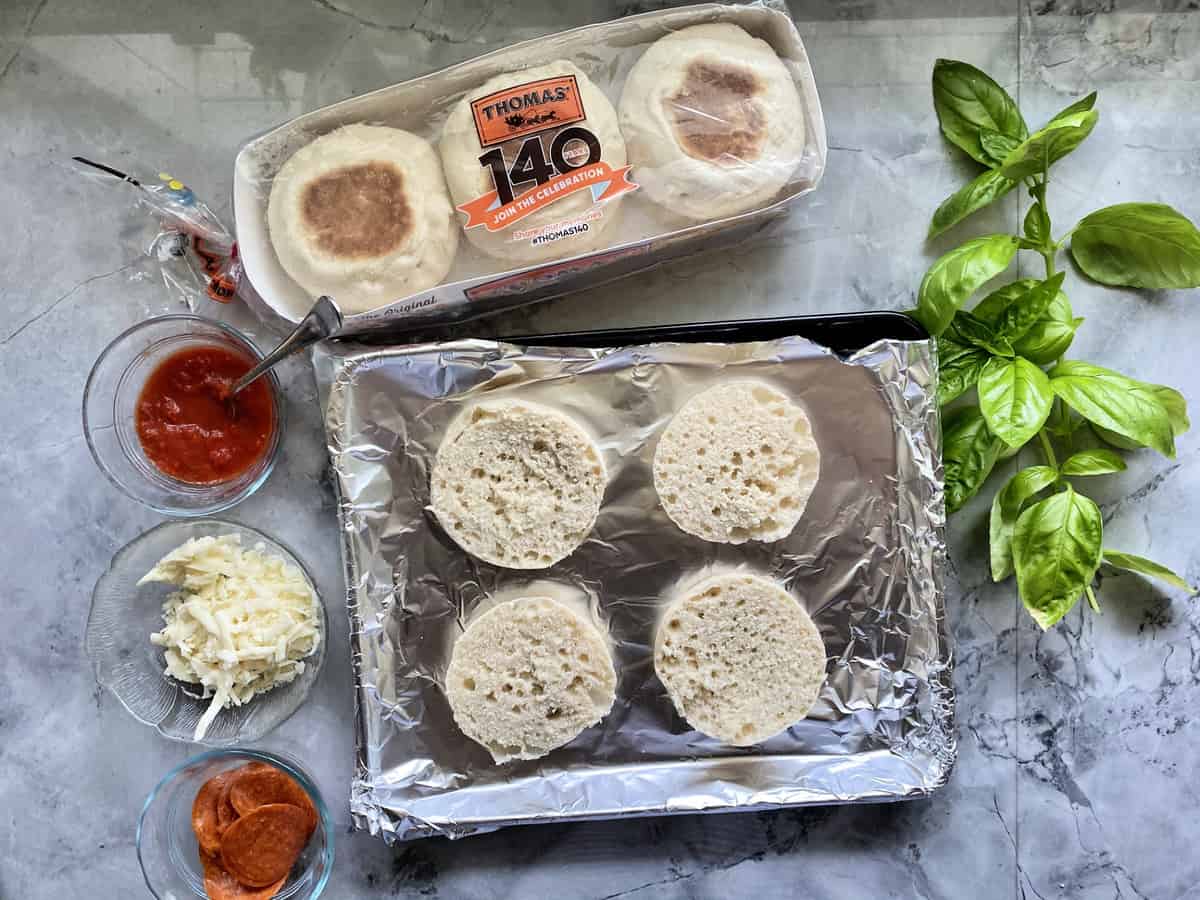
point(209, 631)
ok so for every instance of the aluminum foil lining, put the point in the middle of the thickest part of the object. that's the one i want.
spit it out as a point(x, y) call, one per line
point(866, 560)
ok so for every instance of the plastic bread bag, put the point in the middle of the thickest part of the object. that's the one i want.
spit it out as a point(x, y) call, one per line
point(538, 169)
point(195, 252)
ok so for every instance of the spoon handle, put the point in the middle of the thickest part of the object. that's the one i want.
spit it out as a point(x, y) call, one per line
point(322, 320)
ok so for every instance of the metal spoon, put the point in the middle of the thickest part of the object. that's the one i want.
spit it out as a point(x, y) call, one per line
point(322, 320)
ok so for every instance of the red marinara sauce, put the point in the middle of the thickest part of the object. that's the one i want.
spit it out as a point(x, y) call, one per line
point(189, 430)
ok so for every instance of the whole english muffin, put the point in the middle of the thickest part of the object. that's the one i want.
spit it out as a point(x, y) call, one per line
point(737, 463)
point(739, 657)
point(517, 484)
point(460, 148)
point(527, 676)
point(362, 214)
point(713, 122)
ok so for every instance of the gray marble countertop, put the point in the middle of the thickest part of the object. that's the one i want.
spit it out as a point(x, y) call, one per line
point(1077, 775)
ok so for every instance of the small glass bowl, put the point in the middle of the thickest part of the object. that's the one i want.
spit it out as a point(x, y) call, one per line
point(110, 402)
point(166, 844)
point(117, 641)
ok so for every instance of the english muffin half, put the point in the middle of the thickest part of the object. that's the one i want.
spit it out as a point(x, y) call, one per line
point(527, 676)
point(362, 214)
point(738, 462)
point(739, 657)
point(517, 484)
point(713, 122)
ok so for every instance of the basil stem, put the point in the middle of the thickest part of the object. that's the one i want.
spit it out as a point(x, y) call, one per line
point(1037, 188)
point(1048, 449)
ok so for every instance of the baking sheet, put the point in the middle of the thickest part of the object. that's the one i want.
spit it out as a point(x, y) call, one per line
point(865, 560)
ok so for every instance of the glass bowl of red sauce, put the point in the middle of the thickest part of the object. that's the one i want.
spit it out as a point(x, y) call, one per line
point(161, 425)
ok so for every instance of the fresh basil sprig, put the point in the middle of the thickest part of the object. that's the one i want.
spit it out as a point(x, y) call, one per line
point(1009, 349)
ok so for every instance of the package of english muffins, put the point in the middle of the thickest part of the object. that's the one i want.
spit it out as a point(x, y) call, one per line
point(539, 169)
point(640, 574)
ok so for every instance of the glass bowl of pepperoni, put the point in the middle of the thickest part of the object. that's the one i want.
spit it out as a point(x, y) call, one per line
point(160, 424)
point(236, 823)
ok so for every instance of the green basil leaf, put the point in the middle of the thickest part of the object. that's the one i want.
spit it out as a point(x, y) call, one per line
point(1021, 315)
point(1037, 224)
point(967, 100)
point(1015, 397)
point(1143, 245)
point(958, 274)
point(1173, 402)
point(959, 366)
point(967, 328)
point(1006, 507)
point(1153, 398)
point(1006, 452)
point(1045, 147)
point(996, 145)
point(1116, 440)
point(1056, 551)
point(1050, 336)
point(1131, 563)
point(990, 307)
point(969, 453)
point(1079, 106)
point(1113, 401)
point(1093, 462)
point(987, 188)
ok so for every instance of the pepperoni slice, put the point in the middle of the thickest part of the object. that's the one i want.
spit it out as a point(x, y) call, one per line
point(226, 813)
point(262, 846)
point(220, 885)
point(206, 821)
point(260, 787)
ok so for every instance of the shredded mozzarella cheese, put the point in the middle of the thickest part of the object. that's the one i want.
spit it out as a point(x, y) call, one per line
point(241, 624)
